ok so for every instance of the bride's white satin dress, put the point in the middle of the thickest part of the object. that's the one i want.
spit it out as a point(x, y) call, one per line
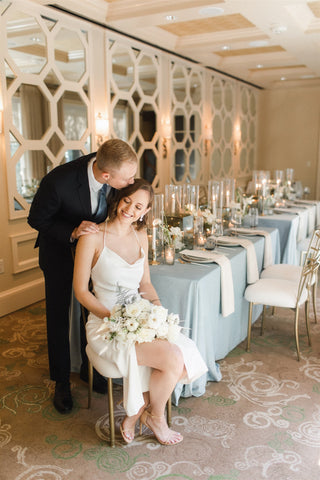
point(115, 359)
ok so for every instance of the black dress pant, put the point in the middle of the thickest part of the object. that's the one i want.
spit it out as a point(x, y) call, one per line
point(56, 263)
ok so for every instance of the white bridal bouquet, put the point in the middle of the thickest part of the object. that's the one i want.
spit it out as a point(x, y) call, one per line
point(139, 321)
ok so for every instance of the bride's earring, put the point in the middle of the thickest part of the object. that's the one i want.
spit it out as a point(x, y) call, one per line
point(141, 218)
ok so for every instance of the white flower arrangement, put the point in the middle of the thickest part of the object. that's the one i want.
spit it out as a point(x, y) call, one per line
point(208, 216)
point(139, 321)
point(172, 235)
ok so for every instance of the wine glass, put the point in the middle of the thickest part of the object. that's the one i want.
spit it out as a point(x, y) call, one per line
point(236, 220)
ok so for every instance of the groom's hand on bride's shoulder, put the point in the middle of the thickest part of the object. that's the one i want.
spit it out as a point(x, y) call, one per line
point(84, 228)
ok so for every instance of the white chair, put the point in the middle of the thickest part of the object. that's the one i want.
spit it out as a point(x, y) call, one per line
point(279, 292)
point(94, 361)
point(293, 272)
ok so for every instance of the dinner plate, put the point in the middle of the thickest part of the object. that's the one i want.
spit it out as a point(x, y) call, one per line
point(246, 234)
point(225, 244)
point(192, 259)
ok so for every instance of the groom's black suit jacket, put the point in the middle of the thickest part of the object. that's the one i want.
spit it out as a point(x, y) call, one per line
point(61, 203)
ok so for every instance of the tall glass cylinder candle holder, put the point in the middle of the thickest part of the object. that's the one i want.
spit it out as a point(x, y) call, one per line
point(215, 196)
point(198, 232)
point(190, 197)
point(155, 220)
point(279, 176)
point(289, 176)
point(173, 202)
point(229, 192)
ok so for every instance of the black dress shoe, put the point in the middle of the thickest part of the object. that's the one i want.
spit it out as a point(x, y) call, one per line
point(100, 384)
point(62, 399)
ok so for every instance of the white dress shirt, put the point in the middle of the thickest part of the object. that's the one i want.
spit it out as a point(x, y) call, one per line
point(94, 186)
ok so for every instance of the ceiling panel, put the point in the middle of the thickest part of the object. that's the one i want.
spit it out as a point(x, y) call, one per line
point(268, 43)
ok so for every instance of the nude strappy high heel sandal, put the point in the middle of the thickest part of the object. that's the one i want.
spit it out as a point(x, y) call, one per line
point(127, 436)
point(143, 421)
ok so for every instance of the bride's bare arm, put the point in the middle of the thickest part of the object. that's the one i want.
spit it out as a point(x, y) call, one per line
point(87, 252)
point(146, 288)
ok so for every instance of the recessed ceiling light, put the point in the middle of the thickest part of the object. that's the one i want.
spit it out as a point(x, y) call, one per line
point(283, 78)
point(259, 43)
point(170, 18)
point(277, 29)
point(35, 39)
point(211, 11)
point(225, 47)
point(259, 65)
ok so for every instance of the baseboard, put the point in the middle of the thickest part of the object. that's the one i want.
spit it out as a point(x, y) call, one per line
point(22, 296)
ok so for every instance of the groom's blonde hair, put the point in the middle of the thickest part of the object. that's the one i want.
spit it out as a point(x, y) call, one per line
point(113, 153)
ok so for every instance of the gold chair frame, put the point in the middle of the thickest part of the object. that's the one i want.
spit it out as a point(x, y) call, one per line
point(310, 268)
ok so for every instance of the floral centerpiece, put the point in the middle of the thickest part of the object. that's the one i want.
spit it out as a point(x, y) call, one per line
point(138, 320)
point(172, 235)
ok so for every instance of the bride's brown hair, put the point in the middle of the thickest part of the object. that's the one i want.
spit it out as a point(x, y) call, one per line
point(139, 184)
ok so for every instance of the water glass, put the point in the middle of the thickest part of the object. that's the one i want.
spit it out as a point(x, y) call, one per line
point(253, 217)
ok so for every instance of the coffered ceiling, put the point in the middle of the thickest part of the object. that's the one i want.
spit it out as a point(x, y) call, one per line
point(269, 43)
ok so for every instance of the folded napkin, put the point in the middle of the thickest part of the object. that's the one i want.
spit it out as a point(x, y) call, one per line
point(268, 257)
point(291, 211)
point(252, 266)
point(226, 281)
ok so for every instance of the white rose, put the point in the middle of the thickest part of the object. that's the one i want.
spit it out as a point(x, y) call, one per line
point(145, 335)
point(131, 337)
point(144, 318)
point(159, 312)
point(131, 325)
point(162, 331)
point(133, 309)
point(144, 305)
point(116, 311)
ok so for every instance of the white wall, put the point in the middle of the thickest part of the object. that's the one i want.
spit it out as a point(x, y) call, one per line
point(289, 128)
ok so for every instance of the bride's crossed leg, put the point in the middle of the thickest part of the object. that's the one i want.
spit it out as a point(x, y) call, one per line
point(166, 361)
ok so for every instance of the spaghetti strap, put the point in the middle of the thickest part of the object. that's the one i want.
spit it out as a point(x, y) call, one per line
point(104, 233)
point(137, 238)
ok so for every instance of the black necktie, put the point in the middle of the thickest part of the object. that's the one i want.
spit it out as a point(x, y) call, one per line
point(101, 212)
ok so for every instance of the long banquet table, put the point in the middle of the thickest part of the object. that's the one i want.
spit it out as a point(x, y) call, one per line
point(193, 291)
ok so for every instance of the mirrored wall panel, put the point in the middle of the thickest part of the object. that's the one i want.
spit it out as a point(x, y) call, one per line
point(134, 108)
point(187, 98)
point(47, 93)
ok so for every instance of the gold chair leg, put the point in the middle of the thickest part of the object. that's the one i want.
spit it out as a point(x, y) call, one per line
point(262, 319)
point(249, 326)
point(296, 331)
point(90, 382)
point(306, 307)
point(111, 413)
point(314, 300)
point(169, 411)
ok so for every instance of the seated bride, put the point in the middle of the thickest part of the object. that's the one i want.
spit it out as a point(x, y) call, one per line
point(148, 351)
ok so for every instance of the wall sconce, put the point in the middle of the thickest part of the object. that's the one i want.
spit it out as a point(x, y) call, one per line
point(208, 134)
point(102, 128)
point(236, 139)
point(166, 133)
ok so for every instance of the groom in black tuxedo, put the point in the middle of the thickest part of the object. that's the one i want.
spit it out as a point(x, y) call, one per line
point(71, 201)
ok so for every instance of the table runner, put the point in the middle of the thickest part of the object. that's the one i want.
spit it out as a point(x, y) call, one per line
point(303, 220)
point(268, 255)
point(227, 291)
point(252, 266)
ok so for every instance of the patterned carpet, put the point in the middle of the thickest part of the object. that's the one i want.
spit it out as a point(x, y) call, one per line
point(262, 421)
